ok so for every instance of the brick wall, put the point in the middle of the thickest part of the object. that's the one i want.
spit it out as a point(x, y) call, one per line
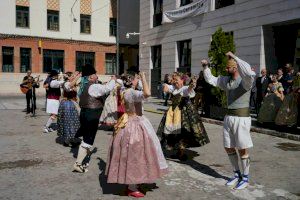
point(9, 82)
point(69, 48)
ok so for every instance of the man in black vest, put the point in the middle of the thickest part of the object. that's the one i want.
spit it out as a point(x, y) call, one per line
point(53, 97)
point(91, 104)
point(262, 84)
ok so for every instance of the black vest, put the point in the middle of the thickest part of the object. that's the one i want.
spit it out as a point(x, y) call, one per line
point(87, 101)
point(53, 93)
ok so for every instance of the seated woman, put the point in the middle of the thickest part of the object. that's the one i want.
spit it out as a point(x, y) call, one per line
point(135, 155)
point(271, 102)
point(181, 125)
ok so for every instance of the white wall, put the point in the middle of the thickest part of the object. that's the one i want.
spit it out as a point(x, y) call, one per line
point(68, 28)
point(245, 18)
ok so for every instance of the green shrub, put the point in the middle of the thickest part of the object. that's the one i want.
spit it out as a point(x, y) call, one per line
point(221, 43)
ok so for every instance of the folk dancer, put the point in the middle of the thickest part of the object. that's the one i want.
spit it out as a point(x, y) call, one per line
point(181, 126)
point(68, 111)
point(135, 155)
point(237, 122)
point(110, 115)
point(91, 104)
point(53, 97)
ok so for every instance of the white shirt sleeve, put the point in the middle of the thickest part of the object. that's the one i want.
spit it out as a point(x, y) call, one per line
point(140, 85)
point(56, 83)
point(171, 88)
point(98, 90)
point(186, 92)
point(246, 73)
point(219, 81)
point(67, 86)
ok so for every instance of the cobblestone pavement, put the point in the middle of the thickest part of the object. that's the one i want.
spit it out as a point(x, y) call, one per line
point(34, 165)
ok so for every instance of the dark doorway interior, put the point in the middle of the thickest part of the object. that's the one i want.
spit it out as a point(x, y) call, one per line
point(285, 37)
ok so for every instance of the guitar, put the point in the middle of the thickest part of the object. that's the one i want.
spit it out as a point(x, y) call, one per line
point(25, 86)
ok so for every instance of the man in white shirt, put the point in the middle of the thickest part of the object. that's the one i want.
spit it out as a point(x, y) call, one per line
point(53, 97)
point(91, 104)
point(237, 122)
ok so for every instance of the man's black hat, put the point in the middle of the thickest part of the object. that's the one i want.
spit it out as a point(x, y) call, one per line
point(88, 70)
point(53, 73)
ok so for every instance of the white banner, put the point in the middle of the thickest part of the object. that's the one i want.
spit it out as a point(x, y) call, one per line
point(189, 10)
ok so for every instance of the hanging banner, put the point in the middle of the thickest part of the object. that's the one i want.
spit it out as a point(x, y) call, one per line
point(189, 10)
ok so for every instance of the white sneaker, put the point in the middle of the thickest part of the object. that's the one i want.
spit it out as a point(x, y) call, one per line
point(46, 130)
point(51, 129)
point(79, 168)
point(243, 183)
point(234, 180)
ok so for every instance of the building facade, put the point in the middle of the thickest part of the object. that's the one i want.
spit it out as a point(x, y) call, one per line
point(266, 34)
point(41, 35)
point(129, 21)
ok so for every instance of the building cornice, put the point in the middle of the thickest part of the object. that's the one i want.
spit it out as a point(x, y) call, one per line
point(68, 41)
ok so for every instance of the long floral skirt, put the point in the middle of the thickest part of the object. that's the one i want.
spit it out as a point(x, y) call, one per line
point(187, 129)
point(269, 109)
point(135, 155)
point(109, 115)
point(68, 120)
point(288, 112)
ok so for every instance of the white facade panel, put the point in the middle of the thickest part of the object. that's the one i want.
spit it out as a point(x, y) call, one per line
point(68, 29)
point(246, 18)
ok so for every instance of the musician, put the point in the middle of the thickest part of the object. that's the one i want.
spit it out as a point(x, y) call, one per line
point(31, 84)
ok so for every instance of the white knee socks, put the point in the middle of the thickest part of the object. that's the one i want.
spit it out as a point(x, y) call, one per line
point(246, 165)
point(82, 152)
point(233, 157)
point(49, 122)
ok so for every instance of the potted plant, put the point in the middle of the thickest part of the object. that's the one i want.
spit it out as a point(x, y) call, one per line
point(221, 43)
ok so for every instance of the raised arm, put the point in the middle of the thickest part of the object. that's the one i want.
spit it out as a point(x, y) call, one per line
point(56, 83)
point(146, 89)
point(98, 90)
point(245, 71)
point(219, 81)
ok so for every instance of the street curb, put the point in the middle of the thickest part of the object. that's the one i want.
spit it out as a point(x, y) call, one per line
point(253, 128)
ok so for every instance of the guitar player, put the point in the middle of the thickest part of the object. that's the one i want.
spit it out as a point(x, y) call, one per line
point(30, 84)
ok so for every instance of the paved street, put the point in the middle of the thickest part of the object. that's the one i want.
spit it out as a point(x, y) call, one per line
point(34, 165)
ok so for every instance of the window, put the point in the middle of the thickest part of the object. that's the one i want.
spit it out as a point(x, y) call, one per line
point(156, 56)
point(113, 27)
point(156, 70)
point(22, 16)
point(83, 58)
point(25, 55)
point(185, 2)
point(110, 63)
point(8, 59)
point(85, 24)
point(223, 3)
point(185, 55)
point(53, 59)
point(52, 20)
point(157, 14)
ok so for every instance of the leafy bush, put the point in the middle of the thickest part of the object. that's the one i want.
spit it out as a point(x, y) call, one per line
point(221, 43)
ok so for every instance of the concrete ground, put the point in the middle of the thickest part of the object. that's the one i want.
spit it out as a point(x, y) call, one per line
point(34, 165)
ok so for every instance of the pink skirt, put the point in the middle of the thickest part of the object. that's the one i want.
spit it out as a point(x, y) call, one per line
point(135, 155)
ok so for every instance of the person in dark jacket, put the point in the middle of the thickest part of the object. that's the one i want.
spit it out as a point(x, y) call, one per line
point(262, 84)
